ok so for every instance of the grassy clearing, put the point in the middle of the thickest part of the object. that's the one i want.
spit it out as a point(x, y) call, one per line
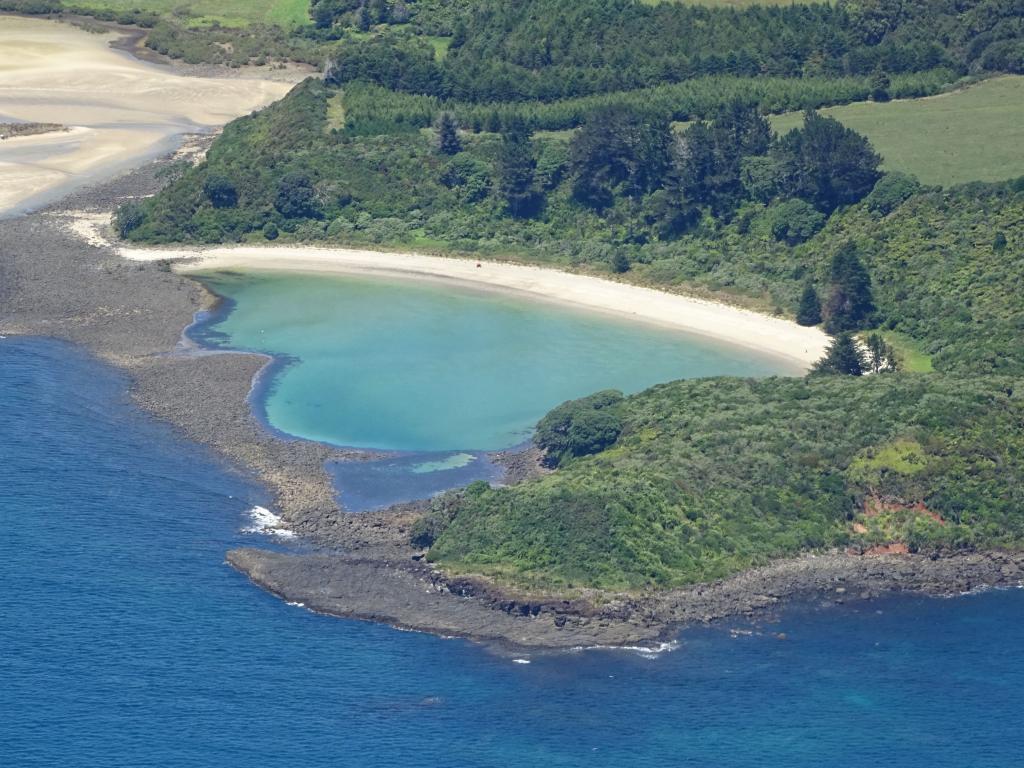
point(975, 134)
point(726, 3)
point(336, 112)
point(232, 13)
point(911, 357)
point(439, 44)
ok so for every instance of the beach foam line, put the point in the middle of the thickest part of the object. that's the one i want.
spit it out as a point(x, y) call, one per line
point(267, 523)
point(741, 327)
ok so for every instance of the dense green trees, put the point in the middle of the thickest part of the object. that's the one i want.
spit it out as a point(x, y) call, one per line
point(809, 310)
point(826, 163)
point(220, 190)
point(580, 427)
point(890, 192)
point(617, 152)
point(547, 50)
point(448, 142)
point(850, 303)
point(295, 197)
point(517, 167)
point(843, 356)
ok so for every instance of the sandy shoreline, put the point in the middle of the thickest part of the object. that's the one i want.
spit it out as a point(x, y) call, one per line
point(121, 111)
point(768, 335)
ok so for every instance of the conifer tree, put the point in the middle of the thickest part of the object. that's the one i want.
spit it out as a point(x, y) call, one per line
point(881, 356)
point(516, 170)
point(809, 312)
point(850, 304)
point(447, 134)
point(842, 357)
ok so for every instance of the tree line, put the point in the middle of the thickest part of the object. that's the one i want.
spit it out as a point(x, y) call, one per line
point(550, 50)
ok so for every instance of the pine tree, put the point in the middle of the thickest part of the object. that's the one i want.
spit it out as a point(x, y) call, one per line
point(447, 134)
point(880, 84)
point(881, 356)
point(809, 312)
point(842, 357)
point(850, 303)
point(363, 18)
point(516, 167)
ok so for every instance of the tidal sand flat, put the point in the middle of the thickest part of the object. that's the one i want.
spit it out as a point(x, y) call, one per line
point(121, 110)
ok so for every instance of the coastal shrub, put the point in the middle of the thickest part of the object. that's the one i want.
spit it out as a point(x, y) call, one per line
point(128, 218)
point(580, 427)
point(270, 231)
point(891, 191)
point(794, 221)
point(712, 476)
point(220, 191)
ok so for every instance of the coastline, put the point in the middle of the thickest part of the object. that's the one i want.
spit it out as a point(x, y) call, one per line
point(60, 281)
point(724, 323)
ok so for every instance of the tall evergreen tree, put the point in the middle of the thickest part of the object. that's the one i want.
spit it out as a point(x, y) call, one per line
point(447, 134)
point(843, 356)
point(363, 20)
point(709, 157)
point(850, 303)
point(618, 151)
point(881, 356)
point(516, 170)
point(826, 163)
point(809, 312)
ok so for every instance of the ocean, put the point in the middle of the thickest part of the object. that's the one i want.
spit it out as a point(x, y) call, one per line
point(126, 641)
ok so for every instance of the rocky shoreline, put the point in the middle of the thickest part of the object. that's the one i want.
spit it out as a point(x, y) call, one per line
point(131, 314)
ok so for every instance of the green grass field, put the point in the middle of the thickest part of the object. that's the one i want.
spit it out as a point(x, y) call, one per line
point(730, 3)
point(235, 13)
point(975, 134)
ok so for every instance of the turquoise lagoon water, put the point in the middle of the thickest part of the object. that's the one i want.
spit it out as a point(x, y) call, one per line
point(126, 641)
point(412, 366)
point(436, 374)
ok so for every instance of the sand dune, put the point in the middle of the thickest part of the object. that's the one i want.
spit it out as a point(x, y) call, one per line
point(124, 110)
point(733, 325)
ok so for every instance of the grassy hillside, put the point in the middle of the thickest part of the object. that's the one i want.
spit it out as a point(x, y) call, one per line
point(971, 135)
point(227, 12)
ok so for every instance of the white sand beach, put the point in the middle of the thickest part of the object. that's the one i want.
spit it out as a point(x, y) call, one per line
point(766, 334)
point(121, 110)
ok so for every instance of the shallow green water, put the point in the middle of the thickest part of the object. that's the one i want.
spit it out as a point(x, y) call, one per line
point(418, 366)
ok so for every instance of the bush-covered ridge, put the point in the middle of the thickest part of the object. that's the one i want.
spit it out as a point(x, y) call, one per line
point(717, 475)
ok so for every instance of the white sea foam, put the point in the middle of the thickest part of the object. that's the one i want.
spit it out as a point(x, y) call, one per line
point(266, 522)
point(520, 661)
point(647, 651)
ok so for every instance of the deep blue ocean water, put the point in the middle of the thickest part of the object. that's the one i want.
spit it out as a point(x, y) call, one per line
point(125, 641)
